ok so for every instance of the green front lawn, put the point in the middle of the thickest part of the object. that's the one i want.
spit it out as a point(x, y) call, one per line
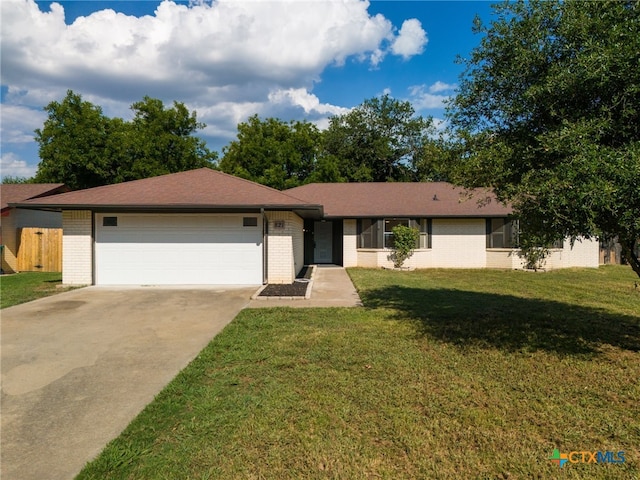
point(444, 374)
point(27, 286)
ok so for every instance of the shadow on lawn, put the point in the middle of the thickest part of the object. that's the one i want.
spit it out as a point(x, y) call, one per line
point(506, 322)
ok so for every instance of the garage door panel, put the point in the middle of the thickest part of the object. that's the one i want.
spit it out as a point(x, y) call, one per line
point(178, 249)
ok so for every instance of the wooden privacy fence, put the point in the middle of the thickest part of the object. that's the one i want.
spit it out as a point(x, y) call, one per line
point(40, 250)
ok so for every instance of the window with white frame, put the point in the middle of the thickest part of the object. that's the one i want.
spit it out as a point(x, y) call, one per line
point(377, 233)
point(389, 225)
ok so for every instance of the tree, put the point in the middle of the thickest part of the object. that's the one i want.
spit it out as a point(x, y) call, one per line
point(272, 152)
point(72, 142)
point(9, 179)
point(548, 115)
point(81, 147)
point(381, 140)
point(160, 140)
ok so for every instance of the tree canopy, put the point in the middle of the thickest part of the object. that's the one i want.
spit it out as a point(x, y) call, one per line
point(548, 115)
point(272, 152)
point(378, 141)
point(83, 148)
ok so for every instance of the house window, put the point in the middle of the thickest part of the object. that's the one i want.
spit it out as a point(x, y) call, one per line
point(250, 221)
point(389, 225)
point(109, 221)
point(378, 233)
point(502, 233)
point(369, 233)
point(424, 225)
point(505, 233)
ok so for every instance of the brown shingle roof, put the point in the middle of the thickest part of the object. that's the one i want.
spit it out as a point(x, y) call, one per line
point(19, 192)
point(437, 199)
point(201, 188)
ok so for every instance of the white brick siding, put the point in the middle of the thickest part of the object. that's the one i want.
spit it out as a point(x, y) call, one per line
point(504, 258)
point(584, 253)
point(285, 247)
point(350, 243)
point(459, 243)
point(77, 248)
point(372, 258)
point(456, 243)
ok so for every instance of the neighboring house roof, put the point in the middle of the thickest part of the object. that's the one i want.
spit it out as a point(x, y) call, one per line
point(192, 190)
point(19, 192)
point(437, 199)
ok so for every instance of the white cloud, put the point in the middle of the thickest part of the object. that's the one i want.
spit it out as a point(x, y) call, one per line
point(184, 48)
point(18, 123)
point(227, 59)
point(442, 87)
point(428, 97)
point(13, 166)
point(300, 97)
point(411, 39)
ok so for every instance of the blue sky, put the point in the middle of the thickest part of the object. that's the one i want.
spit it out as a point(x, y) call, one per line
point(227, 59)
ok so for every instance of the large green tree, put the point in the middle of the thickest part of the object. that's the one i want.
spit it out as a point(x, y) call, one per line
point(83, 148)
point(72, 144)
point(548, 115)
point(378, 141)
point(272, 152)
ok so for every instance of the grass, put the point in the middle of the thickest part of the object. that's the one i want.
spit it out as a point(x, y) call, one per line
point(24, 287)
point(444, 374)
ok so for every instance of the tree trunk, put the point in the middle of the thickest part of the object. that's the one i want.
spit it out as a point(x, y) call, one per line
point(630, 255)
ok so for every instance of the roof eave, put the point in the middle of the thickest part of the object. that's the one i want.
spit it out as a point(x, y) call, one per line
point(178, 208)
point(419, 215)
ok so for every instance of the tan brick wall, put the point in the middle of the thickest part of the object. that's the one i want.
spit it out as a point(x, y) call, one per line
point(10, 242)
point(285, 247)
point(506, 258)
point(77, 248)
point(372, 258)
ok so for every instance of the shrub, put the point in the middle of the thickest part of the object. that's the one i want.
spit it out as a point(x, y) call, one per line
point(405, 240)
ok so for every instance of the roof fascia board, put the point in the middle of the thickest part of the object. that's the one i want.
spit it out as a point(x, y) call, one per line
point(169, 208)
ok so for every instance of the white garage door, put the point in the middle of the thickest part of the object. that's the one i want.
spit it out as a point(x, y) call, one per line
point(178, 249)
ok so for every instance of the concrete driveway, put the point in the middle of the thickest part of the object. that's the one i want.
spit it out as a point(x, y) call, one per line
point(79, 366)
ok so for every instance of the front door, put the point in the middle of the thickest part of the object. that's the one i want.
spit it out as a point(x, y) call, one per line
point(323, 242)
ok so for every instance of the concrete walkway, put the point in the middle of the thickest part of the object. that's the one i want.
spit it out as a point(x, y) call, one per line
point(79, 366)
point(331, 287)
